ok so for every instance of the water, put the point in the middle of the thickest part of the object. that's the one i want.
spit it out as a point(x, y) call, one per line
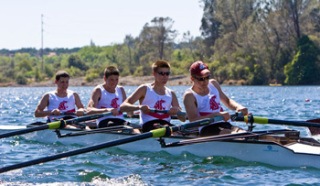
point(116, 167)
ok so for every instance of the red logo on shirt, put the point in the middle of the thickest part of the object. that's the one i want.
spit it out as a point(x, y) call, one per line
point(158, 105)
point(63, 105)
point(213, 104)
point(114, 103)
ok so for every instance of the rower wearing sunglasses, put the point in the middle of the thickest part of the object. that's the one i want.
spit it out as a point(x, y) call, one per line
point(202, 100)
point(154, 97)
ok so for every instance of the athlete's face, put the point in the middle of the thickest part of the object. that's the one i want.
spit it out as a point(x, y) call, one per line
point(201, 81)
point(63, 83)
point(112, 80)
point(162, 75)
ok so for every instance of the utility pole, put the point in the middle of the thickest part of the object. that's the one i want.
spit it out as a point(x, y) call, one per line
point(41, 53)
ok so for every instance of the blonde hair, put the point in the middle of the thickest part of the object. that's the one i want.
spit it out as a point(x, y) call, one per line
point(62, 73)
point(160, 64)
point(111, 70)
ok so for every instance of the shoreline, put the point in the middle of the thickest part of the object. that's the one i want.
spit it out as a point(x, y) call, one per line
point(123, 81)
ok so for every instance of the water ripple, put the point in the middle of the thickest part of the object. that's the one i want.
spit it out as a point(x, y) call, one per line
point(116, 167)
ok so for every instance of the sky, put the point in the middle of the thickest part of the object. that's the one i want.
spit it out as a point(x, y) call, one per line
point(75, 23)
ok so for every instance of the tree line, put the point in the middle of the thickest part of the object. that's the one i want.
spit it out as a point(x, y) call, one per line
point(256, 42)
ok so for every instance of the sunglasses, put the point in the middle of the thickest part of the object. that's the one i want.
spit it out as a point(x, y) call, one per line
point(164, 73)
point(201, 78)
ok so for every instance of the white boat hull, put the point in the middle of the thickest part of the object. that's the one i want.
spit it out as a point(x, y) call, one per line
point(292, 155)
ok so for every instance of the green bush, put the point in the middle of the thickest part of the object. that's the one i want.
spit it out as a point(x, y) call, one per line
point(21, 79)
point(91, 76)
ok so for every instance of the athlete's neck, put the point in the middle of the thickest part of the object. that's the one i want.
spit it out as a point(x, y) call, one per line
point(159, 88)
point(109, 88)
point(201, 90)
point(61, 92)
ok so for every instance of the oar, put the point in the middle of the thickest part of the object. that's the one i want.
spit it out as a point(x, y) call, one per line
point(98, 130)
point(161, 132)
point(55, 124)
point(313, 125)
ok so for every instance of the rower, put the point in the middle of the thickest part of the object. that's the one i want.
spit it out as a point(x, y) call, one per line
point(202, 100)
point(107, 97)
point(154, 96)
point(61, 103)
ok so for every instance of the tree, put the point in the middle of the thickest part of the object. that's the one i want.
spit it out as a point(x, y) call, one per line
point(129, 42)
point(158, 36)
point(303, 69)
point(210, 26)
point(189, 42)
point(75, 61)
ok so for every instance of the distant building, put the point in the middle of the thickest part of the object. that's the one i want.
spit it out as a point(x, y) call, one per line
point(51, 54)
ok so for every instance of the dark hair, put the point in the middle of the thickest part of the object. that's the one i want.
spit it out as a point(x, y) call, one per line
point(160, 64)
point(62, 73)
point(111, 70)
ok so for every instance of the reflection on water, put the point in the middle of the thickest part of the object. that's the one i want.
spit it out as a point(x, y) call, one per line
point(116, 167)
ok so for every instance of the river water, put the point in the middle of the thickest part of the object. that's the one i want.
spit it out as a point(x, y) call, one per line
point(116, 167)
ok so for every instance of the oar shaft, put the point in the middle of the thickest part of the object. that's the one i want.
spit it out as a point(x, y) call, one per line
point(294, 123)
point(76, 152)
point(24, 131)
point(264, 120)
point(154, 133)
point(55, 124)
point(86, 118)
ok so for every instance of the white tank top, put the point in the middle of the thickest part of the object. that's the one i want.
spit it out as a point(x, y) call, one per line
point(157, 102)
point(110, 100)
point(64, 104)
point(209, 103)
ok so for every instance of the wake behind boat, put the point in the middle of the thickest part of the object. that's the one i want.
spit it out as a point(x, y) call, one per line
point(283, 148)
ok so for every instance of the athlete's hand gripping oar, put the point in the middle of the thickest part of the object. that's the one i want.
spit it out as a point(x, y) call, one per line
point(55, 124)
point(161, 132)
point(311, 124)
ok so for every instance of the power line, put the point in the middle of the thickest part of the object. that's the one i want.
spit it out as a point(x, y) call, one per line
point(41, 54)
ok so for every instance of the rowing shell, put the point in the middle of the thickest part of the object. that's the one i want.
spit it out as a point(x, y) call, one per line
point(282, 148)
